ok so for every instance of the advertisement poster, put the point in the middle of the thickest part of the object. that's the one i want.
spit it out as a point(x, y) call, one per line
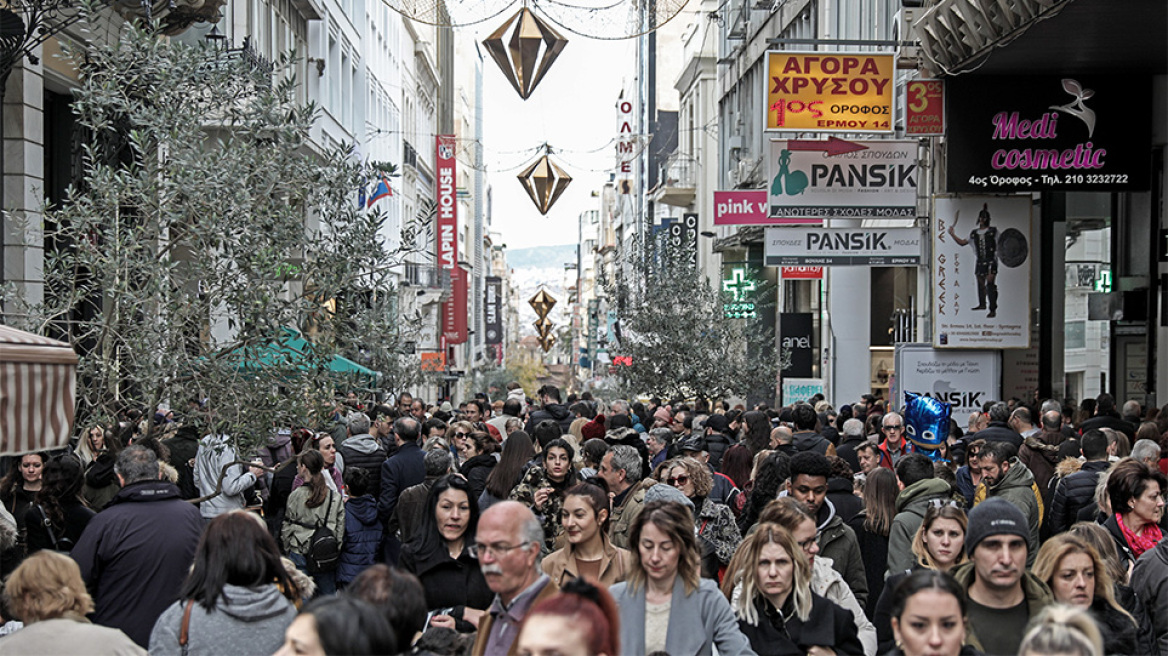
point(924, 108)
point(801, 389)
point(493, 311)
point(454, 324)
point(963, 379)
point(830, 91)
point(981, 272)
point(744, 207)
point(1049, 133)
point(834, 178)
point(796, 339)
point(788, 247)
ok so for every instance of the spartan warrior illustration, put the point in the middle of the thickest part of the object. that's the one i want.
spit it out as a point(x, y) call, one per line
point(985, 246)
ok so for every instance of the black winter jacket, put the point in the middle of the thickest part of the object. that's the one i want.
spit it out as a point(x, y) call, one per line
point(717, 444)
point(476, 470)
point(554, 411)
point(828, 625)
point(135, 554)
point(448, 583)
point(184, 446)
point(366, 452)
point(1074, 493)
point(847, 450)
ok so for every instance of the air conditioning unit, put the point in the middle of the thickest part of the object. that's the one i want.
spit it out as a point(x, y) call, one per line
point(907, 56)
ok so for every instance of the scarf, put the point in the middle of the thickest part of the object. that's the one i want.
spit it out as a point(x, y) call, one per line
point(1139, 543)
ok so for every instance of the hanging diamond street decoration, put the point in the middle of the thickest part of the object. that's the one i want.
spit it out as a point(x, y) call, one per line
point(529, 52)
point(544, 182)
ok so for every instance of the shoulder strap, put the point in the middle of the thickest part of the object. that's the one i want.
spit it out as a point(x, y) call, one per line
point(184, 633)
point(48, 525)
point(328, 508)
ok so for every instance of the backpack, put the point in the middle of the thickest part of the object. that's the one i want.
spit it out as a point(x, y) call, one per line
point(324, 550)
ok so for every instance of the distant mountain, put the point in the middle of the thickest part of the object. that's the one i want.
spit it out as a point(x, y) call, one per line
point(541, 257)
point(542, 267)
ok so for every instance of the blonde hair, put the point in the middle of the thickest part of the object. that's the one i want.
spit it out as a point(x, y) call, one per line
point(699, 474)
point(45, 586)
point(743, 569)
point(1062, 630)
point(921, 550)
point(1051, 555)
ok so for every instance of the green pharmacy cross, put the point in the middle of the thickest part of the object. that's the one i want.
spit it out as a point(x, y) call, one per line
point(738, 284)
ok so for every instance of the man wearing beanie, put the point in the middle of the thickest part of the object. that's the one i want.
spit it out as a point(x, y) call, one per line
point(1001, 595)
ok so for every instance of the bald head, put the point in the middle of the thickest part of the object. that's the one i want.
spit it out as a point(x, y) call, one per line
point(509, 538)
point(781, 435)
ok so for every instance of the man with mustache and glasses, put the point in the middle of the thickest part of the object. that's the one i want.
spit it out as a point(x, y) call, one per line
point(1001, 595)
point(507, 545)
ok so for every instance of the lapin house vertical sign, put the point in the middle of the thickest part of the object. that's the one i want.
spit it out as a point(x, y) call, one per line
point(454, 328)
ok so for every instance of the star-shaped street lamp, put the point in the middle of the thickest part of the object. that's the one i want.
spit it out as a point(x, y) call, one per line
point(524, 48)
point(544, 181)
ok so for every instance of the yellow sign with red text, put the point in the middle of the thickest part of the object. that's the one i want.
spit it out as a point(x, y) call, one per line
point(830, 92)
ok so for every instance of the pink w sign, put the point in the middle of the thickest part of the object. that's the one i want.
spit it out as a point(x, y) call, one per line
point(749, 207)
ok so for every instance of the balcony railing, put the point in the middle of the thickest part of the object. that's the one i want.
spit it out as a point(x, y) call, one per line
point(427, 275)
point(678, 180)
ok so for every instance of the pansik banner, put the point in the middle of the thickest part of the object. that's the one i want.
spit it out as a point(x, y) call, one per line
point(1074, 133)
point(787, 247)
point(454, 327)
point(981, 272)
point(493, 310)
point(814, 180)
point(963, 379)
point(829, 91)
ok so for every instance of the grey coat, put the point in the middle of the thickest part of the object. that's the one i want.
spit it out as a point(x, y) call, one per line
point(697, 622)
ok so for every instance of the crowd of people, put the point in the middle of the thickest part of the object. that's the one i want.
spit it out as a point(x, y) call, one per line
point(540, 526)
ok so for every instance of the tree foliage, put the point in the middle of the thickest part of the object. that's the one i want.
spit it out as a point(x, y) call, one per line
point(207, 232)
point(674, 337)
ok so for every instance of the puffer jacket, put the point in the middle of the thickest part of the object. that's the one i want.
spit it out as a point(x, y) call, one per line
point(911, 504)
point(1074, 493)
point(362, 541)
point(366, 452)
point(717, 444)
point(812, 441)
point(476, 470)
point(1149, 582)
point(215, 452)
point(1040, 455)
point(557, 412)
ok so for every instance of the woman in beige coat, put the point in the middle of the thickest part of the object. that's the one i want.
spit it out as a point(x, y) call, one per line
point(589, 553)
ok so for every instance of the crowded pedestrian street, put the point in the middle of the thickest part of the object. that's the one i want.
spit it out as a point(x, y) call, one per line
point(583, 328)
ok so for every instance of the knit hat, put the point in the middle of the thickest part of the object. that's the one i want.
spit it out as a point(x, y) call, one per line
point(994, 516)
point(665, 492)
point(594, 428)
point(663, 414)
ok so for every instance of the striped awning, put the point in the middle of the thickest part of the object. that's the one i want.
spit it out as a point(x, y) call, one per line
point(38, 383)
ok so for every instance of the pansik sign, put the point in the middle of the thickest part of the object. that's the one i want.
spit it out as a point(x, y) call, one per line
point(786, 247)
point(454, 327)
point(842, 179)
point(829, 92)
point(963, 379)
point(981, 272)
point(1076, 133)
point(493, 311)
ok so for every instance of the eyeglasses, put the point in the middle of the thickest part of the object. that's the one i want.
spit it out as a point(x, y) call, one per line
point(975, 454)
point(894, 427)
point(478, 549)
point(462, 434)
point(680, 480)
point(806, 544)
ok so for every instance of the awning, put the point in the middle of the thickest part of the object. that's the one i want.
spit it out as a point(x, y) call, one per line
point(292, 347)
point(38, 383)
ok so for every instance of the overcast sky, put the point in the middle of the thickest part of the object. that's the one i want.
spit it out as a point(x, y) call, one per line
point(573, 109)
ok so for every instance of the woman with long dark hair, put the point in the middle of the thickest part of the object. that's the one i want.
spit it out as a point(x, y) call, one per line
point(774, 470)
point(101, 482)
point(872, 526)
point(517, 454)
point(57, 518)
point(18, 492)
point(589, 552)
point(478, 460)
point(439, 555)
point(928, 616)
point(543, 488)
point(309, 506)
point(756, 430)
point(231, 603)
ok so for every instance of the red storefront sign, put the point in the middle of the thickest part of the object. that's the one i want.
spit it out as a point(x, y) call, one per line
point(802, 273)
point(924, 107)
point(454, 327)
point(741, 207)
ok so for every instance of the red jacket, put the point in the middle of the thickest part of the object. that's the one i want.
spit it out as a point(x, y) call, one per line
point(906, 447)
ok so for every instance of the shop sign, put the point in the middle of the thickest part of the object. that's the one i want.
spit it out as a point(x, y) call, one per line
point(924, 108)
point(801, 273)
point(454, 327)
point(981, 259)
point(1051, 133)
point(801, 389)
point(797, 343)
point(829, 91)
point(814, 180)
point(842, 247)
point(747, 207)
point(493, 311)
